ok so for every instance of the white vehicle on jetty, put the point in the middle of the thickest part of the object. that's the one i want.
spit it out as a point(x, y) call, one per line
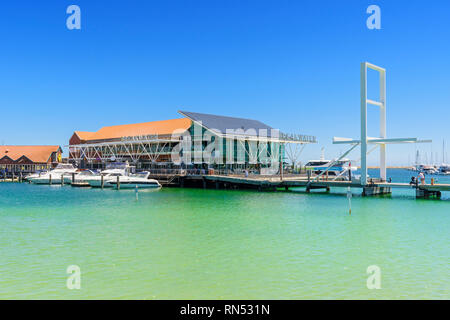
point(138, 180)
point(54, 176)
point(112, 171)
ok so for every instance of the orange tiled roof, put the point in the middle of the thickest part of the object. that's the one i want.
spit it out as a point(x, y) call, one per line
point(164, 127)
point(84, 135)
point(39, 154)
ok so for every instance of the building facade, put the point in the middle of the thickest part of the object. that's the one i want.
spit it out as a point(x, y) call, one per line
point(197, 140)
point(26, 159)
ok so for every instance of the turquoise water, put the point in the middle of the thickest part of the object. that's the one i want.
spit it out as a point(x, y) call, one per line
point(205, 244)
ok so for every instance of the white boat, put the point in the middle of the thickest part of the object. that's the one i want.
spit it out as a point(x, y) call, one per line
point(80, 176)
point(112, 171)
point(427, 169)
point(138, 180)
point(35, 174)
point(444, 169)
point(336, 169)
point(54, 176)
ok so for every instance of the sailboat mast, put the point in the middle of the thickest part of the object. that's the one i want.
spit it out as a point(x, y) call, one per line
point(443, 151)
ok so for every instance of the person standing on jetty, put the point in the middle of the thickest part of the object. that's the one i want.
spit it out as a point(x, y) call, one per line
point(422, 178)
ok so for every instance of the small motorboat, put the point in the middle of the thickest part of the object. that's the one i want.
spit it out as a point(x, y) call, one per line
point(54, 176)
point(444, 169)
point(138, 180)
point(428, 169)
point(35, 174)
point(336, 169)
point(112, 171)
point(80, 178)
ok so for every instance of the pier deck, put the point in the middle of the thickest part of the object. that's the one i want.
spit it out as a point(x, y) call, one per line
point(272, 183)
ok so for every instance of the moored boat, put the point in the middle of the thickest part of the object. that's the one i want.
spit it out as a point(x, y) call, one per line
point(80, 178)
point(54, 176)
point(334, 168)
point(138, 180)
point(112, 171)
point(444, 169)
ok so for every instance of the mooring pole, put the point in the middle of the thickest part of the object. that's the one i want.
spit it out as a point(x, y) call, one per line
point(349, 197)
point(118, 183)
point(102, 181)
point(50, 178)
point(281, 170)
point(349, 171)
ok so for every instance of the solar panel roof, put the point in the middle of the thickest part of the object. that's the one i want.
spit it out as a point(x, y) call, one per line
point(221, 124)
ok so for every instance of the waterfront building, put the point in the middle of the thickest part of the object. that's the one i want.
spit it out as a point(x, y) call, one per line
point(25, 159)
point(196, 140)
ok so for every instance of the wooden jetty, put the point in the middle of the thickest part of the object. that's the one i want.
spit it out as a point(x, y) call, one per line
point(179, 178)
point(273, 183)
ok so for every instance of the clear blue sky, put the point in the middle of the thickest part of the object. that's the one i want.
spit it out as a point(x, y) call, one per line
point(291, 64)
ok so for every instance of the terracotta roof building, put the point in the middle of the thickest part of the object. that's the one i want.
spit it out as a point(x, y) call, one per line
point(28, 158)
point(150, 144)
point(117, 133)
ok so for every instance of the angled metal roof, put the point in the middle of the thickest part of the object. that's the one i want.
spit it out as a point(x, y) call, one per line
point(220, 124)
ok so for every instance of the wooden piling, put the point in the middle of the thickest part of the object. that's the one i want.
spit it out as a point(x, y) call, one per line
point(281, 170)
point(102, 181)
point(50, 179)
point(118, 183)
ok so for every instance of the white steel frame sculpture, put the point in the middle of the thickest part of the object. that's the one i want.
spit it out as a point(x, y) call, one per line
point(380, 141)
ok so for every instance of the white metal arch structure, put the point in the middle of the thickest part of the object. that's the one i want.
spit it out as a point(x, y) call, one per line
point(382, 140)
point(382, 105)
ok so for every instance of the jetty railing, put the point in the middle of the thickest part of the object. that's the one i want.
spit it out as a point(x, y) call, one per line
point(221, 172)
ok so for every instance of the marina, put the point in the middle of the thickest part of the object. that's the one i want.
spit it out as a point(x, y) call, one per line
point(238, 155)
point(194, 243)
point(222, 152)
point(180, 178)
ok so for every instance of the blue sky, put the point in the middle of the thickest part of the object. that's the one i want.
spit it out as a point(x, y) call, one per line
point(292, 64)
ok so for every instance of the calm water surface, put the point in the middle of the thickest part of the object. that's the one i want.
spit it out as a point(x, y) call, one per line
point(200, 244)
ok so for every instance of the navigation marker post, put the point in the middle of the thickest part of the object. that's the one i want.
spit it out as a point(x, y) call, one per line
point(349, 197)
